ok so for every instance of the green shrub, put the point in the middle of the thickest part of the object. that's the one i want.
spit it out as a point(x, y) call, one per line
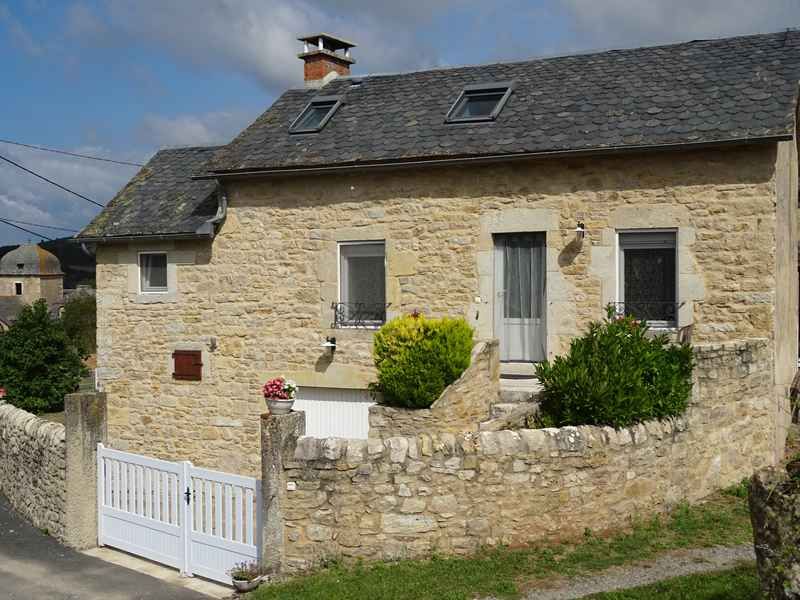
point(38, 362)
point(80, 322)
point(616, 375)
point(417, 358)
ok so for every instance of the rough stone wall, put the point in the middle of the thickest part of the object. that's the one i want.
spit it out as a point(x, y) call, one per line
point(462, 406)
point(773, 501)
point(33, 468)
point(258, 301)
point(409, 496)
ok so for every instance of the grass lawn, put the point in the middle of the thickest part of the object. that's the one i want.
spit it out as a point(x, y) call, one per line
point(740, 583)
point(507, 572)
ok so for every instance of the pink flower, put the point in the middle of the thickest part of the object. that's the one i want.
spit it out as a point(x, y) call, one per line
point(279, 389)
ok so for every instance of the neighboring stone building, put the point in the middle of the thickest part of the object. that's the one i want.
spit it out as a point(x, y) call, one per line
point(524, 197)
point(28, 274)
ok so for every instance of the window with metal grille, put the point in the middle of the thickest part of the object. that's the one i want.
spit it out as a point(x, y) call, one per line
point(362, 285)
point(188, 365)
point(648, 276)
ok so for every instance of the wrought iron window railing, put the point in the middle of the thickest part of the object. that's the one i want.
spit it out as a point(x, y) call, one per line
point(656, 313)
point(358, 314)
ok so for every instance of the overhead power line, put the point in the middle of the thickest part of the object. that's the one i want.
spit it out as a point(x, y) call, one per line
point(74, 154)
point(49, 239)
point(39, 225)
point(50, 181)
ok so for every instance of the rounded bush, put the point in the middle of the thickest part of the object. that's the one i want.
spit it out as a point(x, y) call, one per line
point(616, 375)
point(417, 358)
point(39, 364)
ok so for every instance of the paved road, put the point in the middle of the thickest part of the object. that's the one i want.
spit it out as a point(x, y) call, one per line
point(33, 565)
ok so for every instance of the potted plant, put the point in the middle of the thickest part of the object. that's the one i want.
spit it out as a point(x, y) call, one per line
point(247, 576)
point(279, 394)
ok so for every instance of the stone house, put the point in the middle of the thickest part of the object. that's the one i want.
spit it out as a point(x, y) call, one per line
point(525, 197)
point(29, 273)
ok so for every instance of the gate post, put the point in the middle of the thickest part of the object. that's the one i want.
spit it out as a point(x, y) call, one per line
point(85, 427)
point(186, 496)
point(279, 435)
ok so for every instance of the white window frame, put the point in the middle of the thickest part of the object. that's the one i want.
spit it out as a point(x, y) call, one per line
point(21, 288)
point(142, 291)
point(620, 268)
point(339, 300)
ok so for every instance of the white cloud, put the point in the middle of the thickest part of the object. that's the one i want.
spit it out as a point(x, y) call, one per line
point(193, 130)
point(616, 23)
point(24, 197)
point(257, 38)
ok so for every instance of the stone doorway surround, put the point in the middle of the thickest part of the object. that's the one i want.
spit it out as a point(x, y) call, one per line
point(601, 245)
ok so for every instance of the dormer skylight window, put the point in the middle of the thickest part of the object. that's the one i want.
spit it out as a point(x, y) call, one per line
point(316, 114)
point(481, 102)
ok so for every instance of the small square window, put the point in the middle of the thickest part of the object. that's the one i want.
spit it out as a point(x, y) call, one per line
point(480, 103)
point(153, 272)
point(362, 285)
point(648, 277)
point(315, 115)
point(18, 288)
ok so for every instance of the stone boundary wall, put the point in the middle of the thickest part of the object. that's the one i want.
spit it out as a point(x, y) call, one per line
point(463, 405)
point(33, 468)
point(411, 495)
point(48, 471)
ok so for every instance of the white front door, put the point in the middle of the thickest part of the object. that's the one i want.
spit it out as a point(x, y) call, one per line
point(520, 296)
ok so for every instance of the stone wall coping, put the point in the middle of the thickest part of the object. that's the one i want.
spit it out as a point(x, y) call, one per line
point(731, 346)
point(53, 434)
point(567, 441)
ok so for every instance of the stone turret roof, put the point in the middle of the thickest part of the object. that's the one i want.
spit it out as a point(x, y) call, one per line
point(30, 259)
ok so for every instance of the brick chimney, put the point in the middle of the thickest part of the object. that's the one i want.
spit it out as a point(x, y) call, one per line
point(325, 58)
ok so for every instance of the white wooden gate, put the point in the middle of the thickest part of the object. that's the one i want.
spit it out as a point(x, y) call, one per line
point(199, 521)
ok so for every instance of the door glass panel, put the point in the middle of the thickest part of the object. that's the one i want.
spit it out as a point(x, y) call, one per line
point(523, 257)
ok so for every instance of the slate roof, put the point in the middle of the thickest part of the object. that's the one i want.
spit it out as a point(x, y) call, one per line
point(161, 199)
point(707, 91)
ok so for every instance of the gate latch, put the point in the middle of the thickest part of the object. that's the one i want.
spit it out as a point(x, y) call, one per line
point(188, 496)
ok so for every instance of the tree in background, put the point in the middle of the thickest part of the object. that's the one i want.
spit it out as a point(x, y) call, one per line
point(80, 322)
point(39, 364)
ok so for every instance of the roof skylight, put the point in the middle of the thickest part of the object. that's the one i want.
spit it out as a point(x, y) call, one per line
point(482, 102)
point(315, 115)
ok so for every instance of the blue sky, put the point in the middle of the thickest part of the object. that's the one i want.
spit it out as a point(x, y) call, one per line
point(121, 78)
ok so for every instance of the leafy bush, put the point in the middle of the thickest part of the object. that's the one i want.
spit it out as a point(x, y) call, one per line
point(417, 358)
point(38, 362)
point(80, 322)
point(616, 375)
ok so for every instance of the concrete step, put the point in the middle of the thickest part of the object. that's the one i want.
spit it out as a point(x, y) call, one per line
point(518, 390)
point(513, 370)
point(503, 409)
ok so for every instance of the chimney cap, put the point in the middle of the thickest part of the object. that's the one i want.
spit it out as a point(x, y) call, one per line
point(331, 42)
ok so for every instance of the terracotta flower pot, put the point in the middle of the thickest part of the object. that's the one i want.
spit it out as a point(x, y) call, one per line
point(279, 406)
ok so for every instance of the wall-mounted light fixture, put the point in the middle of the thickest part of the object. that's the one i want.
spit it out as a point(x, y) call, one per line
point(330, 344)
point(580, 231)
